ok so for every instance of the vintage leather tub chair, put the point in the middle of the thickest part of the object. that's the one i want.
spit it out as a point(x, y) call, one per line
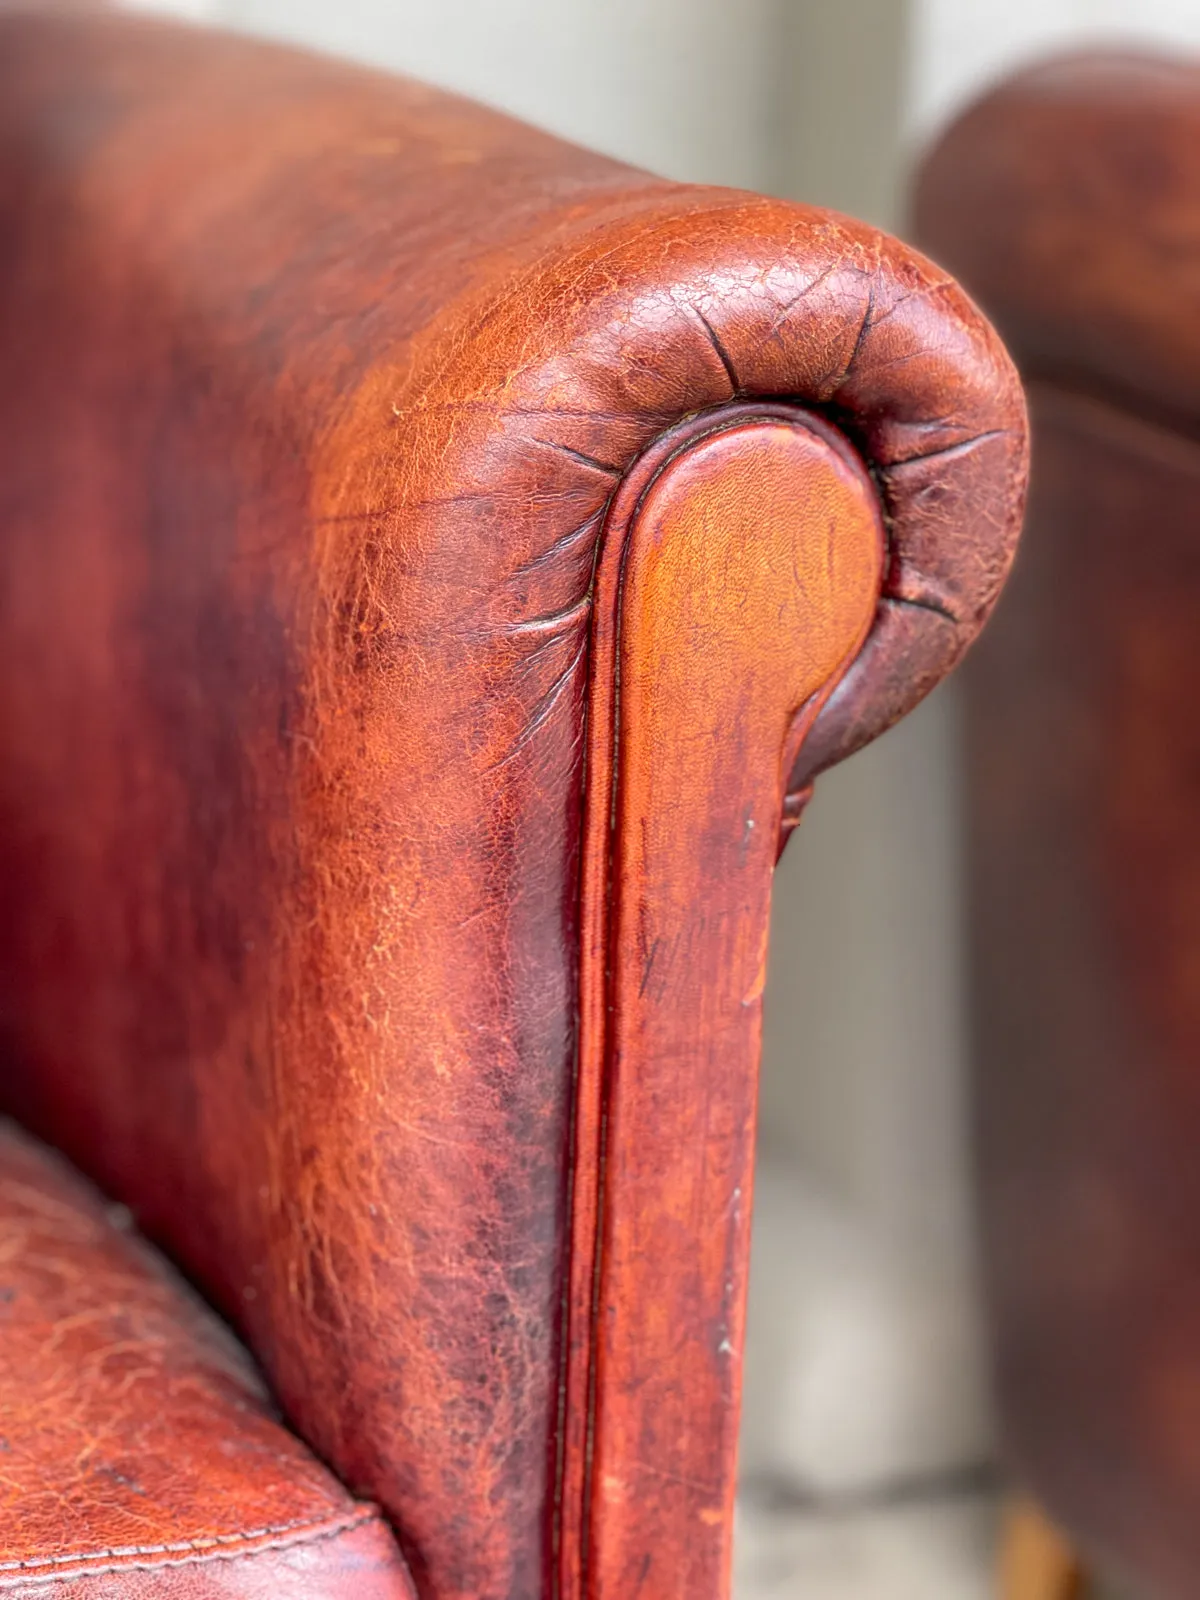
point(1069, 201)
point(436, 562)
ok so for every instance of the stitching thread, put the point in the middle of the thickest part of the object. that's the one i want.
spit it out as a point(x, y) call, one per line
point(183, 1552)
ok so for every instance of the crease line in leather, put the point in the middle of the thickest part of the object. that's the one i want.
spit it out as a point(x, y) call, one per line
point(864, 327)
point(921, 603)
point(960, 448)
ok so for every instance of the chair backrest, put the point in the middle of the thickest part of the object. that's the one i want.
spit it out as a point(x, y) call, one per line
point(433, 556)
point(1069, 201)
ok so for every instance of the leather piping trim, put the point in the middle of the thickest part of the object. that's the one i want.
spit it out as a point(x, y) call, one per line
point(621, 513)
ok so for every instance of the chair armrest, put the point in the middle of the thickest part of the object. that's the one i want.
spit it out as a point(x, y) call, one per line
point(1066, 201)
point(140, 1450)
point(432, 554)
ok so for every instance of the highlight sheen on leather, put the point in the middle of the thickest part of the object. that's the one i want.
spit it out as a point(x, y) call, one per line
point(324, 396)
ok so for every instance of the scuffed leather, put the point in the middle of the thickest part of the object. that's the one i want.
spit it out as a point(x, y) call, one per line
point(138, 1452)
point(318, 385)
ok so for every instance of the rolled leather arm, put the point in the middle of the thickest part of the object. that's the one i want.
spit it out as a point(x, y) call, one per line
point(431, 552)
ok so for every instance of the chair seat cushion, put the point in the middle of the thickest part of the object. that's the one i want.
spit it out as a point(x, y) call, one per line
point(139, 1454)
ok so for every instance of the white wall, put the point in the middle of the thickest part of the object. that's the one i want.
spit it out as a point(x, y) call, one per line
point(960, 45)
point(673, 85)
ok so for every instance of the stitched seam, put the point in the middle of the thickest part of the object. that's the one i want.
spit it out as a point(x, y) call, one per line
point(183, 1552)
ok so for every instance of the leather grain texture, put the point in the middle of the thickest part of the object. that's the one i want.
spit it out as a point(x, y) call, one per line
point(740, 529)
point(1066, 202)
point(139, 1454)
point(318, 387)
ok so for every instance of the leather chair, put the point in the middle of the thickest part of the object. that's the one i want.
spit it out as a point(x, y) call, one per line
point(1069, 200)
point(436, 563)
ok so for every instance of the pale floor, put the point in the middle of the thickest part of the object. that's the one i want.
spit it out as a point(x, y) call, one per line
point(936, 1549)
point(864, 1370)
point(942, 1548)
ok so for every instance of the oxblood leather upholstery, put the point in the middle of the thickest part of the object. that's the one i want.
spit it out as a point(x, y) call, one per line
point(349, 441)
point(140, 1456)
point(1069, 199)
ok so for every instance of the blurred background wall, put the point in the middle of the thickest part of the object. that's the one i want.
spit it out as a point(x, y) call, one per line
point(864, 1365)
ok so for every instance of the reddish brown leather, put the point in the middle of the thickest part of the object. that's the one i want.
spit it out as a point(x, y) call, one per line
point(317, 387)
point(1084, 769)
point(138, 1453)
point(1066, 200)
point(1070, 201)
point(739, 528)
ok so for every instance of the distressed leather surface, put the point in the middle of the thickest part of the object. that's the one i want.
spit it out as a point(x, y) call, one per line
point(138, 1452)
point(736, 532)
point(317, 386)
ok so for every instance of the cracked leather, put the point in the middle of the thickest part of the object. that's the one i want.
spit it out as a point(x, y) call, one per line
point(138, 1452)
point(318, 383)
